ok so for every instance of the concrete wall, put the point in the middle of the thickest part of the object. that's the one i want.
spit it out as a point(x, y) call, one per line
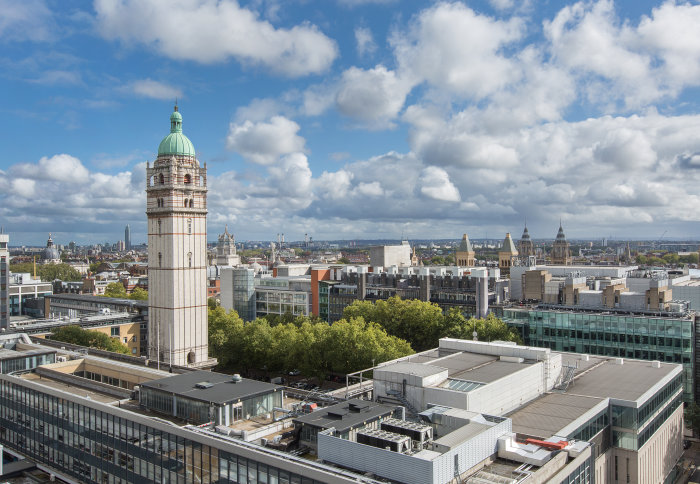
point(226, 296)
point(657, 457)
point(508, 393)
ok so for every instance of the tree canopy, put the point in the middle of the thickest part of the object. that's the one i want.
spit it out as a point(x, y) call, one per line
point(315, 348)
point(422, 323)
point(49, 272)
point(86, 337)
point(116, 289)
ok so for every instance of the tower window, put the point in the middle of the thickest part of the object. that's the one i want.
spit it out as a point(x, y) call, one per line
point(160, 259)
point(189, 259)
point(186, 204)
point(191, 203)
point(159, 226)
point(161, 179)
point(189, 225)
point(188, 179)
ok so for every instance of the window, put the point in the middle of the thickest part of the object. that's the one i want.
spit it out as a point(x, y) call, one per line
point(189, 225)
point(188, 179)
point(189, 259)
point(159, 226)
point(160, 259)
point(191, 203)
point(114, 331)
point(126, 339)
point(161, 179)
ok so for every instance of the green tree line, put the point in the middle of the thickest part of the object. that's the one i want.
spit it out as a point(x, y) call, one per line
point(667, 259)
point(88, 337)
point(315, 348)
point(422, 324)
point(48, 272)
point(116, 289)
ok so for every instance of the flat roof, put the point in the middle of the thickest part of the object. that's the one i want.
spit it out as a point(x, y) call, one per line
point(99, 299)
point(462, 434)
point(628, 381)
point(346, 415)
point(222, 390)
point(418, 369)
point(549, 414)
point(6, 354)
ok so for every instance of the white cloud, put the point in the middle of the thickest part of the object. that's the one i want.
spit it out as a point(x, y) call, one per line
point(154, 89)
point(264, 142)
point(454, 48)
point(435, 183)
point(365, 41)
point(205, 31)
point(374, 96)
point(62, 168)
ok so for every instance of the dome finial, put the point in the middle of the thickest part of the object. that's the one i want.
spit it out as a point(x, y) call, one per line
point(176, 104)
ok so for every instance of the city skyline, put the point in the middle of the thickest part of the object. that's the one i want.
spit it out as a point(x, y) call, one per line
point(586, 112)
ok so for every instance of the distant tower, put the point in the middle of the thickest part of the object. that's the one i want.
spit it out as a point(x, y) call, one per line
point(525, 247)
point(506, 255)
point(414, 257)
point(465, 255)
point(127, 237)
point(4, 280)
point(50, 254)
point(561, 253)
point(176, 207)
point(226, 250)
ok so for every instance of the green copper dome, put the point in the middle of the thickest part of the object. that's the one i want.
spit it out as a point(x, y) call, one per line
point(176, 143)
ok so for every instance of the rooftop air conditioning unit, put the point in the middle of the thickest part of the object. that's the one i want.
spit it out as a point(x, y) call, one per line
point(236, 378)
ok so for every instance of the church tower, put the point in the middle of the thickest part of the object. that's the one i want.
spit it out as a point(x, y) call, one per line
point(465, 255)
point(506, 255)
point(526, 248)
point(176, 207)
point(561, 253)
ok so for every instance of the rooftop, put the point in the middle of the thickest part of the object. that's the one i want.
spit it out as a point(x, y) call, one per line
point(211, 387)
point(549, 414)
point(346, 415)
point(100, 299)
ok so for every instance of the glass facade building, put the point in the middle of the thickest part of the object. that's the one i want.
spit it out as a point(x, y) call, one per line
point(95, 443)
point(670, 340)
point(244, 293)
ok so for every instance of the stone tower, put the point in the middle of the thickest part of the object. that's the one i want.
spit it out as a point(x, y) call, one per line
point(561, 254)
point(506, 255)
point(465, 255)
point(226, 254)
point(176, 207)
point(525, 246)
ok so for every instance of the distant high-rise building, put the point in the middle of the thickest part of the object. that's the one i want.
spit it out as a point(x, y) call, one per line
point(176, 207)
point(4, 281)
point(561, 253)
point(127, 237)
point(465, 255)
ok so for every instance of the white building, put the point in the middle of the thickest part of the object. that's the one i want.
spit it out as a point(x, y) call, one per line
point(390, 255)
point(176, 189)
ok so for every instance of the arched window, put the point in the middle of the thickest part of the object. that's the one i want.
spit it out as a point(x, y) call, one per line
point(188, 179)
point(189, 259)
point(186, 204)
point(191, 203)
point(189, 225)
point(160, 259)
point(161, 179)
point(159, 225)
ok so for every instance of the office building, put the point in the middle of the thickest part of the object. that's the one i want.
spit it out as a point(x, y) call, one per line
point(127, 237)
point(4, 280)
point(176, 189)
point(27, 295)
point(390, 255)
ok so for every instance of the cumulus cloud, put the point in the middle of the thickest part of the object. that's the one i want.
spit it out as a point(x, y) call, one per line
point(454, 48)
point(62, 168)
point(154, 89)
point(374, 96)
point(435, 183)
point(205, 31)
point(265, 141)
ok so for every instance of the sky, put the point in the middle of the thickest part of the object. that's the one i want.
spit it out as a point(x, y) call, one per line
point(355, 119)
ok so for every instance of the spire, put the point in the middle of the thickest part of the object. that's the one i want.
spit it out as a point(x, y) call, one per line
point(465, 245)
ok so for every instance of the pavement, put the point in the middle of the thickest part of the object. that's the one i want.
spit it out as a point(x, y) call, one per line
point(690, 463)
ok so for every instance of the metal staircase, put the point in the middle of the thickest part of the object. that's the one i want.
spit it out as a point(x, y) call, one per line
point(567, 376)
point(401, 398)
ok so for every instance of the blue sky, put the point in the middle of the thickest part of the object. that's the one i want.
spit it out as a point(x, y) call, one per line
point(355, 118)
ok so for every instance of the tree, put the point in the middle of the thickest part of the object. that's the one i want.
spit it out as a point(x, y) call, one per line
point(422, 323)
point(63, 272)
point(115, 289)
point(343, 260)
point(212, 303)
point(138, 294)
point(94, 339)
point(692, 417)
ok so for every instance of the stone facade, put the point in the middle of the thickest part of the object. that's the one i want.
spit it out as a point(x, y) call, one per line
point(177, 254)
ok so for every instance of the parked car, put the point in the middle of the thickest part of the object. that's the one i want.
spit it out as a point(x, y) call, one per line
point(295, 372)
